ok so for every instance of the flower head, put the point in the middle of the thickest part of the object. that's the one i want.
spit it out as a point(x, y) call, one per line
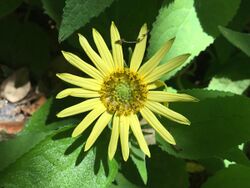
point(116, 94)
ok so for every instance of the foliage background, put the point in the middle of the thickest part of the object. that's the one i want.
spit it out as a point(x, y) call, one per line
point(212, 152)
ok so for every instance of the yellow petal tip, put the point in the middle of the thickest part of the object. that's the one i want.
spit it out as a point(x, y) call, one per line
point(125, 158)
point(86, 148)
point(59, 115)
point(58, 96)
point(94, 31)
point(74, 134)
point(59, 75)
point(110, 156)
point(148, 154)
point(81, 36)
point(172, 142)
point(196, 100)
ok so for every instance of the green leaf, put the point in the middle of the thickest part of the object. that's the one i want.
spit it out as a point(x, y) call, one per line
point(226, 84)
point(36, 129)
point(240, 40)
point(202, 94)
point(235, 155)
point(217, 124)
point(139, 160)
point(193, 25)
point(165, 170)
point(232, 177)
point(54, 9)
point(77, 13)
point(8, 6)
point(58, 163)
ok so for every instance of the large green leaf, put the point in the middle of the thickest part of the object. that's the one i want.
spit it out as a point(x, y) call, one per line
point(58, 163)
point(36, 129)
point(77, 13)
point(193, 25)
point(240, 40)
point(232, 177)
point(7, 6)
point(217, 124)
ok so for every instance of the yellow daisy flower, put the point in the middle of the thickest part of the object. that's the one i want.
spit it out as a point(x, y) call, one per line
point(116, 93)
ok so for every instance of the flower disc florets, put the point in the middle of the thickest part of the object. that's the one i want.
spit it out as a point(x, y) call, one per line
point(123, 92)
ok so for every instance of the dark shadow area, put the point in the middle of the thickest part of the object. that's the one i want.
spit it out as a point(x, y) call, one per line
point(66, 133)
point(79, 142)
point(131, 173)
point(101, 148)
point(81, 155)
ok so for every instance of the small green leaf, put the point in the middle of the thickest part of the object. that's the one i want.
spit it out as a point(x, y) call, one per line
point(59, 163)
point(165, 170)
point(217, 124)
point(193, 25)
point(138, 157)
point(232, 177)
point(8, 6)
point(77, 13)
point(228, 85)
point(240, 40)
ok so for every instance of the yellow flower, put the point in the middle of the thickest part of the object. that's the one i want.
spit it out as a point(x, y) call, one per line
point(117, 93)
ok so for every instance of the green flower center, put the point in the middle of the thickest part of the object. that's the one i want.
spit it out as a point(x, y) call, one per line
point(123, 92)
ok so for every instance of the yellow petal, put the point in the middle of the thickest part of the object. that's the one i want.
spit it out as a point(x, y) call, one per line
point(155, 123)
point(124, 135)
point(102, 48)
point(82, 65)
point(95, 58)
point(90, 118)
point(114, 137)
point(170, 114)
point(116, 46)
point(136, 129)
point(139, 50)
point(77, 92)
point(80, 108)
point(98, 128)
point(156, 84)
point(162, 96)
point(156, 59)
point(86, 83)
point(159, 71)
